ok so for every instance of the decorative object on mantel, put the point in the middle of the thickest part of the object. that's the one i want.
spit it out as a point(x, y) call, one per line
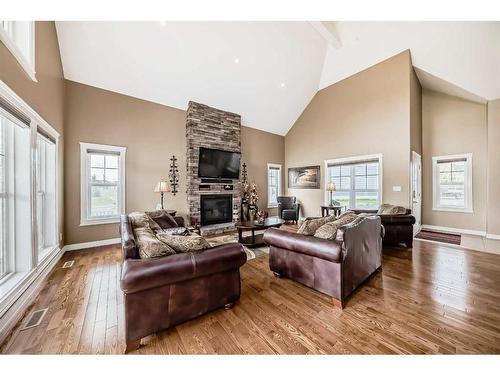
point(330, 187)
point(173, 175)
point(162, 187)
point(304, 177)
point(253, 197)
point(244, 173)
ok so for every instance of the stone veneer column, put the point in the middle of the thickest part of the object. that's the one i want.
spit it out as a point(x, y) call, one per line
point(212, 128)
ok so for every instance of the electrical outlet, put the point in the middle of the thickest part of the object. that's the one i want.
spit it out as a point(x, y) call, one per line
point(397, 188)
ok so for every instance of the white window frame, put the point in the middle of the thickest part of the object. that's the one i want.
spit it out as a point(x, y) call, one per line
point(13, 285)
point(356, 159)
point(468, 208)
point(28, 64)
point(275, 166)
point(85, 182)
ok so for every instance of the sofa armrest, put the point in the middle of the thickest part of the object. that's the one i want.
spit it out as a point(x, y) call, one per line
point(325, 249)
point(401, 219)
point(143, 274)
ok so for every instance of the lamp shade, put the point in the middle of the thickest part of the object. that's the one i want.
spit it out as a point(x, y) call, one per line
point(162, 187)
point(331, 187)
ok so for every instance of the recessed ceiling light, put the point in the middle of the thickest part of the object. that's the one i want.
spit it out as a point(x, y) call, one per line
point(163, 23)
point(236, 60)
point(282, 84)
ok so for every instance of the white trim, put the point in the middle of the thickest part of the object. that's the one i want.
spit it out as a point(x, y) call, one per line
point(23, 295)
point(358, 158)
point(87, 245)
point(454, 230)
point(491, 236)
point(28, 67)
point(467, 183)
point(279, 166)
point(84, 185)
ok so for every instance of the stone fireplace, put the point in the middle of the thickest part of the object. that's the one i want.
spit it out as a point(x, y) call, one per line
point(212, 128)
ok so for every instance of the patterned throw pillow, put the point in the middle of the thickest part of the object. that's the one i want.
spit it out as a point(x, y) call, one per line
point(149, 245)
point(328, 231)
point(184, 244)
point(163, 219)
point(389, 209)
point(141, 220)
point(309, 226)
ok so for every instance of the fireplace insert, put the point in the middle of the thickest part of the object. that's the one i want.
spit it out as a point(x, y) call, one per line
point(216, 209)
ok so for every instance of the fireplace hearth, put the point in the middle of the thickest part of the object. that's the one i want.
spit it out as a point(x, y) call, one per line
point(216, 209)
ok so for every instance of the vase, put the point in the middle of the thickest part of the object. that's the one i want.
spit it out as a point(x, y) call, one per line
point(244, 211)
point(252, 211)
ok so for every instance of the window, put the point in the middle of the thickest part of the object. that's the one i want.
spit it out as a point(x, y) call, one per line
point(103, 183)
point(3, 201)
point(19, 38)
point(358, 181)
point(46, 194)
point(273, 184)
point(452, 183)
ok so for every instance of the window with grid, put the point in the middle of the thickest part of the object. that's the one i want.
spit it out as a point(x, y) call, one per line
point(19, 38)
point(104, 191)
point(273, 184)
point(356, 182)
point(452, 188)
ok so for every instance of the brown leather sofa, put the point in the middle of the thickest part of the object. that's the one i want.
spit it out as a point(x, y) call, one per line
point(334, 267)
point(163, 292)
point(398, 227)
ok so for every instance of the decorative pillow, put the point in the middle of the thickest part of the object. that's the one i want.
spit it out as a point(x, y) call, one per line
point(389, 209)
point(184, 244)
point(149, 245)
point(141, 220)
point(163, 219)
point(309, 226)
point(179, 231)
point(328, 231)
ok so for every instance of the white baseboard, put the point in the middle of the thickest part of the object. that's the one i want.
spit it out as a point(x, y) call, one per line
point(86, 245)
point(25, 295)
point(455, 230)
point(491, 236)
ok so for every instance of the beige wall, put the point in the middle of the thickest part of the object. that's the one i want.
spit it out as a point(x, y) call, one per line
point(415, 113)
point(493, 215)
point(259, 148)
point(367, 113)
point(152, 133)
point(454, 126)
point(46, 96)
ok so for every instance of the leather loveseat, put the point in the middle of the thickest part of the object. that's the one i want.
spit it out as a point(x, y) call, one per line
point(398, 227)
point(162, 292)
point(334, 267)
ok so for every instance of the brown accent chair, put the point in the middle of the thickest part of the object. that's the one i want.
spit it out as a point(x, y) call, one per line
point(163, 292)
point(398, 227)
point(334, 267)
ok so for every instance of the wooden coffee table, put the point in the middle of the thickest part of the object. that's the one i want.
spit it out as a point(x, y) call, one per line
point(256, 239)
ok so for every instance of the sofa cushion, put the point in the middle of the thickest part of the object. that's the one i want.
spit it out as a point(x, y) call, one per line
point(310, 226)
point(184, 244)
point(163, 219)
point(142, 220)
point(389, 209)
point(149, 245)
point(328, 231)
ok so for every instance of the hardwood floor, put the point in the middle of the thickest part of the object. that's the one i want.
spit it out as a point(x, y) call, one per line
point(433, 299)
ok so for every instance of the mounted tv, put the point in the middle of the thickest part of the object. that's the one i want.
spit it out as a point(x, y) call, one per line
point(219, 164)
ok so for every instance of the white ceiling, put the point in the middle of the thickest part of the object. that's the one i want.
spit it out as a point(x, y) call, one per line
point(280, 65)
point(177, 62)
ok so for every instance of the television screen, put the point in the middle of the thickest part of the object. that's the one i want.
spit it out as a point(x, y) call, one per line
point(218, 164)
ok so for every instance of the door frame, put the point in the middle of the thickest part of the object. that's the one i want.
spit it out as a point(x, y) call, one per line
point(418, 223)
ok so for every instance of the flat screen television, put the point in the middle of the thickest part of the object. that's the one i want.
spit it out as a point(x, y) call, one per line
point(219, 164)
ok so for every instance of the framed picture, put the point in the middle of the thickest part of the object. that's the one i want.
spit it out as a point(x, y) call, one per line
point(304, 177)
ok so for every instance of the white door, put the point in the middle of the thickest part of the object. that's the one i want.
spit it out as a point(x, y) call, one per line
point(416, 190)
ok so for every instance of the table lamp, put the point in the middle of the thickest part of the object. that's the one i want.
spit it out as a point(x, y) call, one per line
point(331, 188)
point(162, 187)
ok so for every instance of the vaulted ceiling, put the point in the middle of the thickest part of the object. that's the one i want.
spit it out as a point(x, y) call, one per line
point(269, 71)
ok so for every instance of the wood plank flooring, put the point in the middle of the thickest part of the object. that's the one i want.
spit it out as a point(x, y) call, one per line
point(433, 299)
